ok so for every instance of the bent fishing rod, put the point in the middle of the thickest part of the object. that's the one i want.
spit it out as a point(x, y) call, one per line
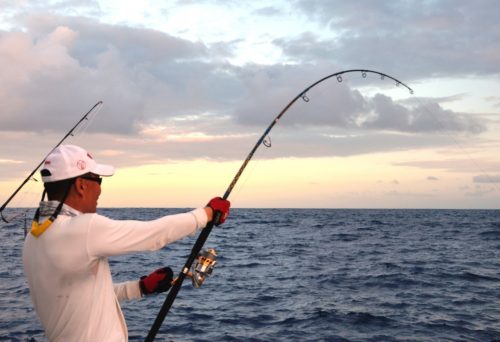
point(70, 133)
point(206, 231)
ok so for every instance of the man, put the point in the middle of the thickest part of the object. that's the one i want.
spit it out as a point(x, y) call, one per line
point(65, 255)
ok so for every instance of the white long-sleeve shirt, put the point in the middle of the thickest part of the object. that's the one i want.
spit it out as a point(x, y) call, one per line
point(69, 277)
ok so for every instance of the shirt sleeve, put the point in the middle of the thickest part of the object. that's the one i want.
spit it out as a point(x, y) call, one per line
point(127, 290)
point(107, 237)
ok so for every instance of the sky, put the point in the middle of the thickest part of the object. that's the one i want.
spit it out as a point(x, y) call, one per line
point(188, 87)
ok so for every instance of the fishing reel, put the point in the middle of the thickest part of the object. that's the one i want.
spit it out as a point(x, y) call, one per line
point(203, 267)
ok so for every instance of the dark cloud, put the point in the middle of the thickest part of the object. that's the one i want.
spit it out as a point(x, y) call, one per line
point(308, 46)
point(424, 118)
point(486, 178)
point(443, 99)
point(451, 164)
point(408, 194)
point(494, 99)
point(335, 104)
point(477, 193)
point(269, 11)
point(432, 178)
point(269, 89)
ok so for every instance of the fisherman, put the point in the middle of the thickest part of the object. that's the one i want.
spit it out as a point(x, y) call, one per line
point(65, 255)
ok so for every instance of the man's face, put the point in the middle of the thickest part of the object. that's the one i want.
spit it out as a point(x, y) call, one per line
point(92, 193)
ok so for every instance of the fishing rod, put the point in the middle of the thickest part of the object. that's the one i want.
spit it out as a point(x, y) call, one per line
point(70, 133)
point(206, 231)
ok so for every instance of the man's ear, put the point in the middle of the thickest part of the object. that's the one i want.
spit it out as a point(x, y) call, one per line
point(79, 187)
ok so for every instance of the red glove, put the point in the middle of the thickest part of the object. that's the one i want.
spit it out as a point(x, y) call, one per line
point(221, 205)
point(157, 282)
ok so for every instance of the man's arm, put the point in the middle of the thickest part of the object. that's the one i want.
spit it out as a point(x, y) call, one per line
point(127, 290)
point(156, 282)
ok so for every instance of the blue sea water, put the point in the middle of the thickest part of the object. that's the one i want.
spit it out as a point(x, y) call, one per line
point(308, 275)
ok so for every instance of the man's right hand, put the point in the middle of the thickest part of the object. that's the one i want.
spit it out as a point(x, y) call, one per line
point(156, 282)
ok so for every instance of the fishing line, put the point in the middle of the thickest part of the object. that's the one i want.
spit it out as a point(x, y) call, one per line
point(82, 120)
point(448, 133)
point(79, 132)
point(443, 129)
point(244, 180)
point(31, 192)
point(263, 140)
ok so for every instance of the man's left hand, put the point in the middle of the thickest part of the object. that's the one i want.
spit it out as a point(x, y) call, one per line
point(221, 205)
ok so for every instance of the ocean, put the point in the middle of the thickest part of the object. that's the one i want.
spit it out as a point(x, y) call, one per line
point(307, 275)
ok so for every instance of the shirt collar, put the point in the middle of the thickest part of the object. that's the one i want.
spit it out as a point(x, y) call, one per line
point(47, 208)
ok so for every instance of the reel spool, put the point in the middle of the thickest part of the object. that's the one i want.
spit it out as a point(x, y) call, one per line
point(203, 267)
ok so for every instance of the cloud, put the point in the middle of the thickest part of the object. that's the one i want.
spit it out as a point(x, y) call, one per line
point(424, 118)
point(53, 70)
point(269, 88)
point(65, 64)
point(453, 164)
point(136, 45)
point(408, 194)
point(432, 178)
point(338, 105)
point(495, 99)
point(486, 178)
point(269, 11)
point(439, 38)
point(10, 161)
point(12, 10)
point(168, 97)
point(44, 85)
point(439, 100)
point(479, 193)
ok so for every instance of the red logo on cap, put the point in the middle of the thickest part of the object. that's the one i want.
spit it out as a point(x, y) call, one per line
point(81, 165)
point(47, 162)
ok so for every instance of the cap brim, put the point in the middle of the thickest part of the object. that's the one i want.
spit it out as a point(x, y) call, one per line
point(103, 170)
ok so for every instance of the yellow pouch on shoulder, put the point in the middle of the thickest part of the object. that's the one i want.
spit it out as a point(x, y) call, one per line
point(37, 229)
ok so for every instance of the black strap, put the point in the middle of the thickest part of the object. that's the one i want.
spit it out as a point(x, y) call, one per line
point(56, 213)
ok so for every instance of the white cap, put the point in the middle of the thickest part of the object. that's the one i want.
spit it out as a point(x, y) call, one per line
point(70, 161)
